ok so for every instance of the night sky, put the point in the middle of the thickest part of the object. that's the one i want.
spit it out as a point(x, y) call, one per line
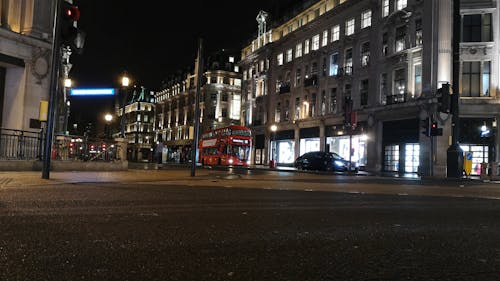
point(153, 39)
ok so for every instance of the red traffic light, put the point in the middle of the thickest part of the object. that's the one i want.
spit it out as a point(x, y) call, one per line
point(72, 13)
point(434, 125)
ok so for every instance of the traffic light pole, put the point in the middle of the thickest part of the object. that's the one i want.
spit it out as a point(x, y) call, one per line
point(455, 160)
point(199, 73)
point(54, 88)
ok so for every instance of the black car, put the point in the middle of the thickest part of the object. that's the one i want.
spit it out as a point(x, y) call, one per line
point(324, 161)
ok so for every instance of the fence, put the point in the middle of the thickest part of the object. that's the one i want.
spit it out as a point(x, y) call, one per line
point(29, 145)
point(20, 145)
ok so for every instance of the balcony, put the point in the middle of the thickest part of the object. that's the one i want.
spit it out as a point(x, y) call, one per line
point(394, 99)
point(311, 81)
point(284, 88)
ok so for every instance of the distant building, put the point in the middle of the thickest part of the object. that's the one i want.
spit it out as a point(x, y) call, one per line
point(25, 57)
point(389, 57)
point(220, 103)
point(138, 122)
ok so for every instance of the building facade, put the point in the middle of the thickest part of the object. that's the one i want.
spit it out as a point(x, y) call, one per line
point(136, 113)
point(25, 56)
point(389, 57)
point(220, 104)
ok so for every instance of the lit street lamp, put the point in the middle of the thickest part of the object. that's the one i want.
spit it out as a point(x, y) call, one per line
point(108, 118)
point(273, 128)
point(125, 83)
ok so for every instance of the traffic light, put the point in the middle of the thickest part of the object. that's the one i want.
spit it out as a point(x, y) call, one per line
point(444, 98)
point(347, 111)
point(435, 130)
point(71, 35)
point(426, 125)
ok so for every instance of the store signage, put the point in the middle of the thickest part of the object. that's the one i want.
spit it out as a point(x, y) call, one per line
point(93, 92)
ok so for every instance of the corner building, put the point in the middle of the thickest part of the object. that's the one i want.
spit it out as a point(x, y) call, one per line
point(389, 57)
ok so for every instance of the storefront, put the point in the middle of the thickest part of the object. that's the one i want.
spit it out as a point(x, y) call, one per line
point(477, 137)
point(284, 144)
point(309, 140)
point(339, 140)
point(401, 146)
point(259, 152)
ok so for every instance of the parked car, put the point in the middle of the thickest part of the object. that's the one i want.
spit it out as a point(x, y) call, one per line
point(324, 161)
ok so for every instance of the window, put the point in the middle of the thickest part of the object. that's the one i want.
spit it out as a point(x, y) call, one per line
point(475, 82)
point(383, 87)
point(323, 68)
point(418, 80)
point(314, 69)
point(477, 28)
point(385, 45)
point(401, 4)
point(347, 90)
point(323, 102)
point(333, 100)
point(385, 8)
point(300, 22)
point(306, 46)
point(365, 54)
point(334, 64)
point(297, 108)
point(349, 27)
point(366, 19)
point(277, 113)
point(419, 39)
point(400, 38)
point(335, 33)
point(298, 77)
point(399, 85)
point(348, 62)
point(312, 106)
point(280, 59)
point(287, 110)
point(298, 50)
point(363, 90)
point(315, 42)
point(289, 55)
point(324, 40)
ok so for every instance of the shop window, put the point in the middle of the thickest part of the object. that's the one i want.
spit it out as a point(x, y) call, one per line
point(412, 155)
point(391, 158)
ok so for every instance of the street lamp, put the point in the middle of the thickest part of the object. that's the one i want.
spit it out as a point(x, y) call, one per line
point(125, 83)
point(67, 84)
point(108, 118)
point(273, 128)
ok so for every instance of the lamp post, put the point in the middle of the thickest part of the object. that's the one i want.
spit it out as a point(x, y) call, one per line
point(125, 82)
point(108, 118)
point(273, 128)
point(67, 84)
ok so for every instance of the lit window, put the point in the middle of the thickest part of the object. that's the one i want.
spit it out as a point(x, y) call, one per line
point(231, 59)
point(334, 64)
point(324, 40)
point(298, 50)
point(289, 55)
point(385, 8)
point(349, 27)
point(315, 42)
point(400, 38)
point(280, 59)
point(306, 46)
point(335, 33)
point(401, 4)
point(366, 19)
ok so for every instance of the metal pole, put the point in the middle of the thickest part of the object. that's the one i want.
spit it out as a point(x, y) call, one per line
point(122, 123)
point(54, 87)
point(454, 153)
point(199, 73)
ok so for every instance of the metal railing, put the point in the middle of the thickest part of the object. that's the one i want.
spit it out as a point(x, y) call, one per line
point(20, 145)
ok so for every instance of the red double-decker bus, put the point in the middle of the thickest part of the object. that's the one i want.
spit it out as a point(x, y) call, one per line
point(229, 145)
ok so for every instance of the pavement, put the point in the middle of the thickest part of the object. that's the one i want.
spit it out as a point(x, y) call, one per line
point(289, 179)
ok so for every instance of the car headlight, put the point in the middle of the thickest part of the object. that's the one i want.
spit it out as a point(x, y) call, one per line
point(339, 163)
point(230, 161)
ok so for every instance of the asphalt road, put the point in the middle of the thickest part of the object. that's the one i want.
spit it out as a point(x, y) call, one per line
point(154, 231)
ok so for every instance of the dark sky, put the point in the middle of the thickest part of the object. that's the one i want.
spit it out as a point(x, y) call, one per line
point(152, 39)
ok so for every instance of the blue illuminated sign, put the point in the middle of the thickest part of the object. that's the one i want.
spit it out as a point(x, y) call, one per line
point(93, 92)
